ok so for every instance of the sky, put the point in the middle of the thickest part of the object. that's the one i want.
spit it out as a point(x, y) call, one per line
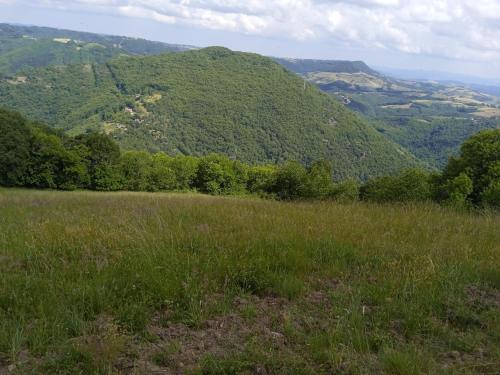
point(452, 36)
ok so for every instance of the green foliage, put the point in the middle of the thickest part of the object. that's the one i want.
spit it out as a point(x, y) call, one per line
point(409, 185)
point(458, 190)
point(291, 181)
point(476, 169)
point(104, 155)
point(162, 175)
point(136, 169)
point(213, 100)
point(261, 178)
point(346, 191)
point(319, 179)
point(49, 159)
point(217, 174)
point(15, 145)
point(24, 47)
point(491, 195)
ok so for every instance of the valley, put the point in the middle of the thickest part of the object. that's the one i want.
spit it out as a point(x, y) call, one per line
point(169, 209)
point(428, 118)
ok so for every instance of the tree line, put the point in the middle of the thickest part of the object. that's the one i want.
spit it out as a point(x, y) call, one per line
point(33, 155)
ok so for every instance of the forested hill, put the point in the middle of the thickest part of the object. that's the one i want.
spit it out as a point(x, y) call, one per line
point(22, 47)
point(210, 100)
point(304, 66)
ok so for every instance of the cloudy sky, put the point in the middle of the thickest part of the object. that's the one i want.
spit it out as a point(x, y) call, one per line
point(457, 36)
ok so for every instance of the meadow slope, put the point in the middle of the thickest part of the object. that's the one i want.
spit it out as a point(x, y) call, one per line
point(181, 283)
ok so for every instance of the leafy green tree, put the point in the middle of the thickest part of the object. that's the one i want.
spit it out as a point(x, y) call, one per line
point(104, 157)
point(479, 159)
point(136, 168)
point(490, 197)
point(458, 190)
point(14, 148)
point(345, 191)
point(261, 178)
point(161, 175)
point(185, 169)
point(52, 165)
point(408, 185)
point(319, 179)
point(291, 181)
point(217, 174)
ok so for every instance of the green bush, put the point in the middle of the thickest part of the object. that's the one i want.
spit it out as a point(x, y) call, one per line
point(409, 185)
point(346, 191)
point(479, 159)
point(291, 181)
point(217, 174)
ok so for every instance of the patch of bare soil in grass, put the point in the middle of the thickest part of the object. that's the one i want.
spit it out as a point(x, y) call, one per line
point(482, 299)
point(179, 348)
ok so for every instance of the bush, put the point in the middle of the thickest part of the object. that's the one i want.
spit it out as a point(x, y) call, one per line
point(346, 191)
point(458, 190)
point(480, 160)
point(409, 185)
point(217, 174)
point(490, 197)
point(291, 181)
point(261, 179)
point(319, 180)
point(161, 175)
point(136, 169)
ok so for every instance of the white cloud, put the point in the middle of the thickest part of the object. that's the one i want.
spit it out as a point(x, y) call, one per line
point(458, 29)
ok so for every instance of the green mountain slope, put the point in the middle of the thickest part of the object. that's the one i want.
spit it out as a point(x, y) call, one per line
point(304, 66)
point(31, 46)
point(430, 119)
point(211, 100)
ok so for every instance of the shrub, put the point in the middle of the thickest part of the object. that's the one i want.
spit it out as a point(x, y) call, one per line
point(217, 174)
point(346, 191)
point(291, 181)
point(409, 185)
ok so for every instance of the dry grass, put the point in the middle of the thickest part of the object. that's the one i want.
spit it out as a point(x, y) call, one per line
point(130, 282)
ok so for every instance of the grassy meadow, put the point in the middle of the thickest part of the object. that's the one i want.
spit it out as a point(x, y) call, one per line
point(139, 283)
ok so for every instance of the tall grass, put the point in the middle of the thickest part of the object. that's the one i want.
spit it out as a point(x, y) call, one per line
point(417, 283)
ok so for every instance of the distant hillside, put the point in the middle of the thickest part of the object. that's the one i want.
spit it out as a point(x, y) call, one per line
point(211, 100)
point(303, 66)
point(431, 119)
point(31, 46)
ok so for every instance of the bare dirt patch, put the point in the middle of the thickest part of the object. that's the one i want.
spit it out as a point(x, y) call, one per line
point(178, 348)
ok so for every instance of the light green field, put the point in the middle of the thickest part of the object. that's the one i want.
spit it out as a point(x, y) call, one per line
point(100, 283)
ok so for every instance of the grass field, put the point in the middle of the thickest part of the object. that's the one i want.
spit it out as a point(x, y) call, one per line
point(101, 283)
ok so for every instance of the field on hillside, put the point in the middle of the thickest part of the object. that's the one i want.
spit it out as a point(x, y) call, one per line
point(178, 283)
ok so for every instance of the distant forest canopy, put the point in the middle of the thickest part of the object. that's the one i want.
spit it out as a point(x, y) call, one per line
point(206, 101)
point(37, 156)
point(253, 114)
point(24, 47)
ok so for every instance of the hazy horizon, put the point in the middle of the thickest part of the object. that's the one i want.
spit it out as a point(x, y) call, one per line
point(456, 39)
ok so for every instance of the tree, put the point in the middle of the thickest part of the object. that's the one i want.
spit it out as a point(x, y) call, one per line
point(136, 168)
point(479, 159)
point(185, 169)
point(161, 175)
point(319, 179)
point(490, 197)
point(261, 179)
point(345, 191)
point(291, 181)
point(217, 174)
point(104, 156)
point(14, 148)
point(408, 185)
